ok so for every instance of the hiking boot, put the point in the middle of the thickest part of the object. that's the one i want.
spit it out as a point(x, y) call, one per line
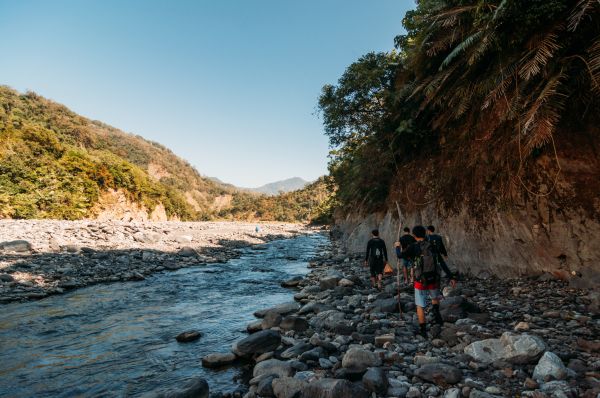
point(423, 330)
point(436, 314)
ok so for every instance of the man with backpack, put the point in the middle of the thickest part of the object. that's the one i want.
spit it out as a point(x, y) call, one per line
point(427, 276)
point(438, 242)
point(376, 258)
point(403, 242)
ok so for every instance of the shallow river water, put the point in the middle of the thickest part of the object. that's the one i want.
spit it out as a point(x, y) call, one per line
point(119, 339)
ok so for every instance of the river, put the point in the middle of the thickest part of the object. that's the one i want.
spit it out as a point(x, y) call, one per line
point(116, 340)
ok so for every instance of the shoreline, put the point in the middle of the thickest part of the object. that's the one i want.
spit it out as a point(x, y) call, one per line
point(39, 258)
point(532, 337)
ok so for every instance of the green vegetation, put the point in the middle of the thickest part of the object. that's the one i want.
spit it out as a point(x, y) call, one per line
point(57, 164)
point(476, 104)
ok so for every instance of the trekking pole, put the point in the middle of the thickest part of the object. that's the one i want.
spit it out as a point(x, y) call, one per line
point(398, 262)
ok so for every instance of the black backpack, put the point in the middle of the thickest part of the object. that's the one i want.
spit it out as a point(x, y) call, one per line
point(426, 263)
point(377, 255)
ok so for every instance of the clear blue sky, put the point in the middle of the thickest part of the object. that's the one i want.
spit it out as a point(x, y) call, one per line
point(229, 85)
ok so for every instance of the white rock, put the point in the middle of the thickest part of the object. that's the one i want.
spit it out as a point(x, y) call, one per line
point(550, 365)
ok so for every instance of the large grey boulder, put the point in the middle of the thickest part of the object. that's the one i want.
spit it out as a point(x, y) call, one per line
point(333, 388)
point(17, 246)
point(358, 359)
point(271, 320)
point(513, 348)
point(549, 366)
point(326, 320)
point(274, 367)
point(439, 373)
point(281, 309)
point(294, 323)
point(257, 343)
point(288, 387)
point(329, 282)
point(375, 380)
point(196, 388)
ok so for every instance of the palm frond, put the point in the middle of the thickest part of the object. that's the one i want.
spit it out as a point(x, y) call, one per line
point(579, 11)
point(463, 46)
point(594, 63)
point(505, 80)
point(541, 50)
point(440, 18)
point(547, 93)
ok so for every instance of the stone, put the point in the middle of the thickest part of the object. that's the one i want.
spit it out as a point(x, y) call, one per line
point(421, 360)
point(218, 359)
point(481, 394)
point(281, 309)
point(271, 320)
point(383, 339)
point(188, 252)
point(273, 366)
point(521, 327)
point(386, 305)
point(147, 237)
point(512, 348)
point(439, 373)
point(265, 386)
point(413, 392)
point(359, 359)
point(288, 387)
point(257, 343)
point(196, 388)
point(296, 350)
point(295, 281)
point(329, 282)
point(183, 239)
point(375, 380)
point(297, 324)
point(333, 388)
point(254, 327)
point(17, 246)
point(549, 366)
point(326, 320)
point(6, 278)
point(452, 393)
point(345, 282)
point(188, 336)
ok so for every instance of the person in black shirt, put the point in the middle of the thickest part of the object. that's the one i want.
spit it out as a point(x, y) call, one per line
point(376, 258)
point(438, 243)
point(403, 242)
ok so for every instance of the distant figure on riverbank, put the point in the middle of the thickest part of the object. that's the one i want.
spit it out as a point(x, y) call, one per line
point(403, 242)
point(427, 276)
point(376, 258)
point(438, 243)
point(257, 229)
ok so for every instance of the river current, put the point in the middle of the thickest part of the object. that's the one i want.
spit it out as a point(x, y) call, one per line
point(118, 340)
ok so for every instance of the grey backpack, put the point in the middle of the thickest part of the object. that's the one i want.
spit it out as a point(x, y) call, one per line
point(426, 264)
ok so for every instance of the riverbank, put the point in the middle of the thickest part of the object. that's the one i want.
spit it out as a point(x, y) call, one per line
point(531, 337)
point(43, 257)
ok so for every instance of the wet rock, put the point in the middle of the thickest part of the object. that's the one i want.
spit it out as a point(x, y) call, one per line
point(513, 348)
point(295, 281)
point(333, 388)
point(188, 336)
point(375, 380)
point(257, 343)
point(288, 387)
point(274, 367)
point(217, 360)
point(17, 246)
point(254, 327)
point(281, 309)
point(549, 366)
point(359, 359)
point(271, 320)
point(265, 386)
point(439, 373)
point(196, 388)
point(295, 323)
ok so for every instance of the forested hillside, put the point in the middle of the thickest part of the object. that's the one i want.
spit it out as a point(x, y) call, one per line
point(484, 121)
point(57, 164)
point(481, 104)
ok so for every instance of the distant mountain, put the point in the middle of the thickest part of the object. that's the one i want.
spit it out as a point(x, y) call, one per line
point(291, 184)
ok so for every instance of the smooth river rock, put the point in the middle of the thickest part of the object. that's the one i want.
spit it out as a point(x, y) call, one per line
point(257, 343)
point(218, 359)
point(333, 388)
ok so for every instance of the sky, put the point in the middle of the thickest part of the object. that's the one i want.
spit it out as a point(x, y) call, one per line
point(229, 85)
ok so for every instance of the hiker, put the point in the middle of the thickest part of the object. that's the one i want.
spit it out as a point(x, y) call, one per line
point(438, 242)
point(376, 258)
point(426, 276)
point(403, 242)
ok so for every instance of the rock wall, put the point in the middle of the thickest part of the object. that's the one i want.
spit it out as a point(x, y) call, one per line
point(113, 205)
point(526, 241)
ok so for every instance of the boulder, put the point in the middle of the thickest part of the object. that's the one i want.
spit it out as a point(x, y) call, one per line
point(188, 252)
point(271, 320)
point(6, 278)
point(288, 387)
point(386, 305)
point(345, 282)
point(17, 246)
point(549, 366)
point(439, 373)
point(455, 308)
point(188, 336)
point(195, 388)
point(326, 320)
point(265, 386)
point(273, 367)
point(257, 343)
point(359, 359)
point(218, 359)
point(295, 281)
point(376, 380)
point(328, 282)
point(281, 309)
point(333, 388)
point(294, 323)
point(296, 350)
point(513, 348)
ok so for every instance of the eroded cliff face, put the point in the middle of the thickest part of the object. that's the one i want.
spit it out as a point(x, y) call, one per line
point(114, 205)
point(528, 240)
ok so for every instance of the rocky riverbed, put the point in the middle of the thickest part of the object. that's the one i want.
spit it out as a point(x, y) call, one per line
point(43, 257)
point(339, 338)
